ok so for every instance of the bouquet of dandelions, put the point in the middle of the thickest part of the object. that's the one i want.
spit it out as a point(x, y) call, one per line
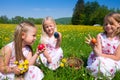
point(22, 65)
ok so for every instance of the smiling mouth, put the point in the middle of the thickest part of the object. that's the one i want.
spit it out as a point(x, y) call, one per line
point(107, 28)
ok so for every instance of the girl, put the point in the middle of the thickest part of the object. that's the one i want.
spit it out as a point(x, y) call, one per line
point(20, 50)
point(53, 53)
point(105, 58)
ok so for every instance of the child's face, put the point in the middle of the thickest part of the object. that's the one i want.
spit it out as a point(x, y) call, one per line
point(111, 27)
point(30, 36)
point(49, 27)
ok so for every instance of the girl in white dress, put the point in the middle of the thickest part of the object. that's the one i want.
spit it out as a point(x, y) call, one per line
point(105, 58)
point(53, 53)
point(20, 50)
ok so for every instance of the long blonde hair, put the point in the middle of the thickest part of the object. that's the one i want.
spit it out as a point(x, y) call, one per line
point(109, 19)
point(44, 34)
point(22, 27)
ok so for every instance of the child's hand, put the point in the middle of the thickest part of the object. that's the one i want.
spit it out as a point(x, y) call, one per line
point(40, 48)
point(40, 51)
point(49, 60)
point(91, 41)
point(16, 70)
point(58, 37)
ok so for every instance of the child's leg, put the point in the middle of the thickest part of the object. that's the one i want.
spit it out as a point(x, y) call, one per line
point(34, 73)
point(56, 56)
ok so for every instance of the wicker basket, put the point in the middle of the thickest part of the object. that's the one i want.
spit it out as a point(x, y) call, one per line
point(74, 62)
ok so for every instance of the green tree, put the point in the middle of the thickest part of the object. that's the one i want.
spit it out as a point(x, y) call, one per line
point(90, 8)
point(4, 19)
point(78, 13)
point(31, 19)
point(38, 21)
point(17, 19)
point(98, 15)
point(118, 10)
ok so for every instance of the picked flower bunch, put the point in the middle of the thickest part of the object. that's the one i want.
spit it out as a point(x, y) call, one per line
point(73, 62)
point(22, 65)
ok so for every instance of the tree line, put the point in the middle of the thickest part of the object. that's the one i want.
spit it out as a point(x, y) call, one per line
point(17, 19)
point(90, 13)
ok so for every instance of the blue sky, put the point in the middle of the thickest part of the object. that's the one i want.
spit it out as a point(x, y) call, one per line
point(43, 8)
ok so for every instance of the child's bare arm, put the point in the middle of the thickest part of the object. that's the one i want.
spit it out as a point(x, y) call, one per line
point(32, 58)
point(5, 59)
point(47, 56)
point(59, 40)
point(116, 55)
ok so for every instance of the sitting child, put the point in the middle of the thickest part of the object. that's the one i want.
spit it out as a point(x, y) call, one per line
point(105, 57)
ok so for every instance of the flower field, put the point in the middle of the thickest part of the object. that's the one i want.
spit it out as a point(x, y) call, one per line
point(73, 45)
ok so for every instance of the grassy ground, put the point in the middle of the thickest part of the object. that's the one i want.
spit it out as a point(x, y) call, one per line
point(73, 45)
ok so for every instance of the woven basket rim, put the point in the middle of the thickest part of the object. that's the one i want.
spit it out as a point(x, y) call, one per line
point(78, 60)
point(75, 58)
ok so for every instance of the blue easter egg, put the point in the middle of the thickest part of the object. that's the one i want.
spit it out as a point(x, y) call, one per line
point(56, 35)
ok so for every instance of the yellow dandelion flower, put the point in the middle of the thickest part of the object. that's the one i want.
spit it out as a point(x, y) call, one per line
point(62, 64)
point(16, 62)
point(26, 67)
point(7, 39)
point(20, 67)
point(26, 62)
point(22, 71)
point(21, 64)
point(64, 60)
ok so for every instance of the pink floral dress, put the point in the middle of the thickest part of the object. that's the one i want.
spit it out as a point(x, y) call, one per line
point(55, 54)
point(33, 73)
point(102, 65)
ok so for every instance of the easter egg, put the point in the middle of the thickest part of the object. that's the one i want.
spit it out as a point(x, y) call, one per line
point(41, 46)
point(56, 35)
point(94, 41)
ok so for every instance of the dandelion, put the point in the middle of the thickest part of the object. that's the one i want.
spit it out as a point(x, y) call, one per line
point(7, 39)
point(62, 64)
point(16, 62)
point(64, 60)
point(26, 62)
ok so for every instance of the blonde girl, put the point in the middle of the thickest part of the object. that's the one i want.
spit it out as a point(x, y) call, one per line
point(18, 51)
point(104, 60)
point(53, 53)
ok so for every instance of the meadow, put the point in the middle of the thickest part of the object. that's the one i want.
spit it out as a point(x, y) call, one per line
point(73, 45)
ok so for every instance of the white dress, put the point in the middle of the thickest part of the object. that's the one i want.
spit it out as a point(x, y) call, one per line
point(55, 54)
point(105, 66)
point(33, 73)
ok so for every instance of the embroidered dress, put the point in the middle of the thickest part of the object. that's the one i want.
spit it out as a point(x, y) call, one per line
point(55, 53)
point(102, 65)
point(33, 73)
